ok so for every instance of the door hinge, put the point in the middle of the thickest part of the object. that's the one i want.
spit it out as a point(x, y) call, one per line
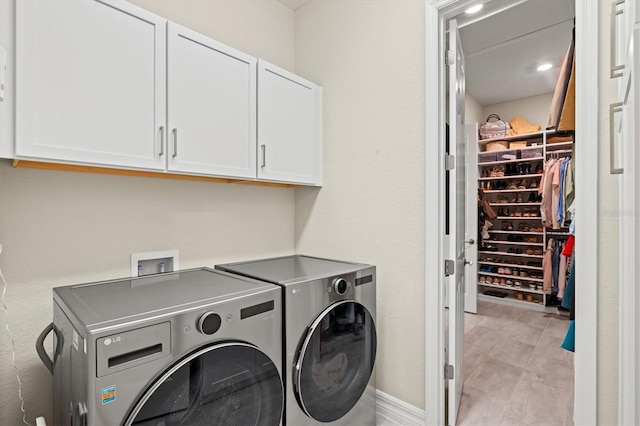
point(449, 372)
point(449, 162)
point(3, 72)
point(449, 267)
point(449, 57)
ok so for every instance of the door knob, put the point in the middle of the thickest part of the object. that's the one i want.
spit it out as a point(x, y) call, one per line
point(470, 242)
point(468, 262)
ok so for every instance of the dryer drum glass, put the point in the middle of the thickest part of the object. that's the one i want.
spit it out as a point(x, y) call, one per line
point(227, 384)
point(338, 356)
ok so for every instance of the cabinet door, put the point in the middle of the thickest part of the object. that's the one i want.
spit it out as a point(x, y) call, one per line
point(90, 83)
point(212, 107)
point(289, 127)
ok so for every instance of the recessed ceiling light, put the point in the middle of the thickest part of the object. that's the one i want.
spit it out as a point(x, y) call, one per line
point(473, 9)
point(544, 67)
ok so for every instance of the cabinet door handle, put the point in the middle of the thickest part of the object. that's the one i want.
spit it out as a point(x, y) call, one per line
point(613, 109)
point(616, 69)
point(264, 155)
point(175, 142)
point(161, 141)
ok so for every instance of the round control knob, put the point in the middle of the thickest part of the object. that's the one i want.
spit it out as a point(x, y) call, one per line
point(340, 286)
point(209, 323)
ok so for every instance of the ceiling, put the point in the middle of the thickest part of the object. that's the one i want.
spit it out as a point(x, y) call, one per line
point(505, 43)
point(294, 4)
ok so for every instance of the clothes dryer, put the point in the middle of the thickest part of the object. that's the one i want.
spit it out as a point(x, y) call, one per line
point(329, 337)
point(192, 347)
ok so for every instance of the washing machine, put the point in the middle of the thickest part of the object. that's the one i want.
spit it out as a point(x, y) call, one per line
point(329, 346)
point(193, 347)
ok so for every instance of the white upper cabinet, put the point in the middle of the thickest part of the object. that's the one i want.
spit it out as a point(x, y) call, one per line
point(90, 83)
point(211, 106)
point(289, 127)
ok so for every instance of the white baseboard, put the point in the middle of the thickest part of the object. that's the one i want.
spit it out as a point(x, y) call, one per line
point(391, 410)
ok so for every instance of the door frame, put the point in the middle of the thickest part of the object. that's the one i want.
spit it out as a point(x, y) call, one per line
point(587, 102)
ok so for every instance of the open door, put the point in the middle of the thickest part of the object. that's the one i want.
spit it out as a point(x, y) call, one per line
point(457, 234)
point(471, 229)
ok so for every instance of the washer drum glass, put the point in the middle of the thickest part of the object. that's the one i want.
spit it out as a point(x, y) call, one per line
point(225, 384)
point(335, 361)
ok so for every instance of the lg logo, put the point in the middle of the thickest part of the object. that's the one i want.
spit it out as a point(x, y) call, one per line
point(110, 340)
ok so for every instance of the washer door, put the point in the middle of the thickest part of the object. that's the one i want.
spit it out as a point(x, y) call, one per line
point(335, 361)
point(225, 384)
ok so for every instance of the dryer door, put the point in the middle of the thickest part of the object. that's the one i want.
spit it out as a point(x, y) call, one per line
point(224, 384)
point(335, 361)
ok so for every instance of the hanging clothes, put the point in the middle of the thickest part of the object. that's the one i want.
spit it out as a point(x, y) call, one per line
point(555, 265)
point(567, 301)
point(555, 194)
point(562, 274)
point(547, 269)
point(561, 207)
point(545, 190)
point(569, 193)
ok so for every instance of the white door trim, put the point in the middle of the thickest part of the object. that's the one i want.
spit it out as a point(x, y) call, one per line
point(586, 249)
point(585, 402)
point(434, 222)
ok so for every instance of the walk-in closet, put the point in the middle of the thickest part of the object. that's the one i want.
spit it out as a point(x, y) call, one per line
point(519, 113)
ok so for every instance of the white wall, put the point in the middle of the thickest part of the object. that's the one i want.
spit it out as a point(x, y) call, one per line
point(369, 58)
point(473, 112)
point(534, 109)
point(60, 228)
point(608, 240)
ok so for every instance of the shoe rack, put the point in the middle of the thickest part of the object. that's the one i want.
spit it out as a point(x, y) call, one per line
point(510, 261)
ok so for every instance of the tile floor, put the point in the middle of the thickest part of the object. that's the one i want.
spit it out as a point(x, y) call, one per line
point(514, 370)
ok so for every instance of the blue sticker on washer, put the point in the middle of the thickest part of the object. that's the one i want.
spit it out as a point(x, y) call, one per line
point(108, 394)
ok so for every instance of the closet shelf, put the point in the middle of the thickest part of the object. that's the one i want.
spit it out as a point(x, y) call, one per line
point(560, 151)
point(527, 136)
point(517, 218)
point(511, 277)
point(512, 288)
point(502, 253)
point(491, 191)
point(514, 243)
point(499, 231)
point(512, 177)
point(559, 145)
point(514, 204)
point(517, 160)
point(510, 265)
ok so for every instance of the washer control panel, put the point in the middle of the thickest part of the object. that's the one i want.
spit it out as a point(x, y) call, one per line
point(340, 286)
point(209, 323)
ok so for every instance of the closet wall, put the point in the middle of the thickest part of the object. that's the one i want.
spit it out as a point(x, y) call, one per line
point(473, 111)
point(534, 109)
